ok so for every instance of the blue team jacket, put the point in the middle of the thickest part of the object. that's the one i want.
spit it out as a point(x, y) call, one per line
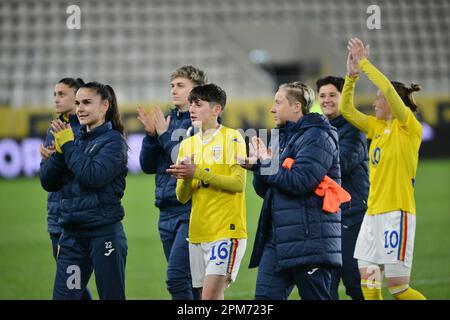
point(156, 156)
point(302, 232)
point(354, 170)
point(54, 198)
point(90, 174)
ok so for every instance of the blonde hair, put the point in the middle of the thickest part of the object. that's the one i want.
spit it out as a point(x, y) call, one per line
point(298, 91)
point(195, 75)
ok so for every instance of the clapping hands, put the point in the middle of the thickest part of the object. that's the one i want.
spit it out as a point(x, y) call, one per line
point(154, 121)
point(257, 150)
point(356, 52)
point(185, 169)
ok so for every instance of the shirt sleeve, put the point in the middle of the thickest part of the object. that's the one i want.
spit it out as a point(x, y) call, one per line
point(347, 106)
point(235, 182)
point(183, 189)
point(412, 125)
point(149, 155)
point(99, 170)
point(394, 101)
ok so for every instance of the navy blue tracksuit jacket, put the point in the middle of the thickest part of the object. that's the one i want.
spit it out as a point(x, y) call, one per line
point(156, 156)
point(302, 232)
point(90, 175)
point(354, 170)
point(54, 198)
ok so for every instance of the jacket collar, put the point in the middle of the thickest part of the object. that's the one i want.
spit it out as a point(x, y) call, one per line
point(72, 119)
point(175, 113)
point(185, 115)
point(338, 121)
point(309, 121)
point(96, 132)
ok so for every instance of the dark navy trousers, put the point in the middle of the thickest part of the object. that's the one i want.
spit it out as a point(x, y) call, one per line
point(174, 233)
point(55, 240)
point(78, 257)
point(313, 282)
point(349, 271)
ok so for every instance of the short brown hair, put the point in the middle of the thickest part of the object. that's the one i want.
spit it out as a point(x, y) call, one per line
point(195, 75)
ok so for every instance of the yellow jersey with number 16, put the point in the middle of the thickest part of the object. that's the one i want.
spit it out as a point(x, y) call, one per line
point(218, 187)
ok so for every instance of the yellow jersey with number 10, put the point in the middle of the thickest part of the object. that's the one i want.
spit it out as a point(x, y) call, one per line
point(393, 158)
point(394, 150)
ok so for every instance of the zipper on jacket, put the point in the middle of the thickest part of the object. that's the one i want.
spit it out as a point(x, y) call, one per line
point(306, 221)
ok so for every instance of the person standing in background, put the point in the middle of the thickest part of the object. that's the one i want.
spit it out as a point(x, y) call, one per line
point(353, 159)
point(64, 98)
point(159, 151)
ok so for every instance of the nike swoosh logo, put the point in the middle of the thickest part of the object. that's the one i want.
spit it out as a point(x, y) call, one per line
point(312, 271)
point(109, 252)
point(219, 263)
point(389, 252)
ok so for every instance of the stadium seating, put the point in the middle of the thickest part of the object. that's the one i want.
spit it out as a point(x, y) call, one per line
point(134, 45)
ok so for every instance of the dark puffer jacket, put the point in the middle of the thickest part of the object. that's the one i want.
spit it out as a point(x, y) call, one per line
point(90, 174)
point(54, 198)
point(302, 232)
point(156, 157)
point(354, 170)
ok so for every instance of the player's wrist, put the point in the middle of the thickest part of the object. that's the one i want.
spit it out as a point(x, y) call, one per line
point(197, 173)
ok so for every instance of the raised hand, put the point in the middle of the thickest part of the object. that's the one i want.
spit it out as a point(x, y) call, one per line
point(352, 66)
point(148, 121)
point(357, 49)
point(161, 123)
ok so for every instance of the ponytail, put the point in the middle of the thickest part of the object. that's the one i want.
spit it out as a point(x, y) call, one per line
point(406, 94)
point(113, 114)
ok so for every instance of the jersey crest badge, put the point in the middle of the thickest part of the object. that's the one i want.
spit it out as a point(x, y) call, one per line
point(217, 152)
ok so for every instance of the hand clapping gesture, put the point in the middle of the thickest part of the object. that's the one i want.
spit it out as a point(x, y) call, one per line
point(148, 121)
point(62, 132)
point(46, 152)
point(161, 123)
point(185, 169)
point(356, 51)
point(257, 150)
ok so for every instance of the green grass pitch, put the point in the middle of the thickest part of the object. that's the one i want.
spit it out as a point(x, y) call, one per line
point(27, 267)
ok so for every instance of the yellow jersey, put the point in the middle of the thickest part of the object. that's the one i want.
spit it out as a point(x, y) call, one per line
point(218, 187)
point(394, 150)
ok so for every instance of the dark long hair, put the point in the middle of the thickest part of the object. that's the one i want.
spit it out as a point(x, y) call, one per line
point(406, 93)
point(107, 93)
point(73, 83)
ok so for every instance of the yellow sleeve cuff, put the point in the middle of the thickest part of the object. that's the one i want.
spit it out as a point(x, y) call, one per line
point(363, 62)
point(63, 137)
point(352, 79)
